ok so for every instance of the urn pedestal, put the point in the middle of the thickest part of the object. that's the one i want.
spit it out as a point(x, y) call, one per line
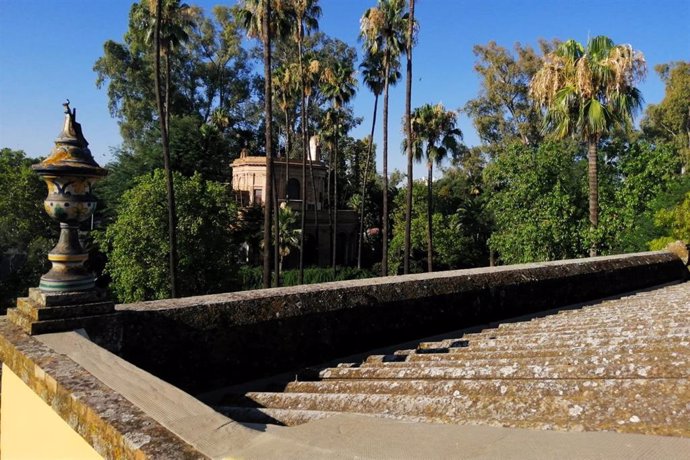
point(66, 296)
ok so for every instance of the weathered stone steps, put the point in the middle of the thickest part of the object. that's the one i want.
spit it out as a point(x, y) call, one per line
point(541, 337)
point(674, 369)
point(581, 410)
point(659, 348)
point(575, 344)
point(572, 360)
point(623, 326)
point(652, 330)
point(631, 308)
point(519, 350)
point(492, 387)
point(621, 365)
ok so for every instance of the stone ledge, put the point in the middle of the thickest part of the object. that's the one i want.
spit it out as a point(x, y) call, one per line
point(50, 298)
point(112, 425)
point(227, 338)
point(44, 312)
point(29, 308)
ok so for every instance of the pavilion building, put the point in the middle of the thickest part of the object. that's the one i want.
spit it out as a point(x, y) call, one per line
point(249, 182)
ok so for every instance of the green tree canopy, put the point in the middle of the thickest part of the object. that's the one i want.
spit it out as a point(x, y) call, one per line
point(454, 245)
point(670, 119)
point(503, 111)
point(676, 224)
point(26, 231)
point(537, 200)
point(634, 180)
point(136, 243)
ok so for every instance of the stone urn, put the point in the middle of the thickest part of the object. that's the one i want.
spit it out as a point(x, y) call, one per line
point(69, 171)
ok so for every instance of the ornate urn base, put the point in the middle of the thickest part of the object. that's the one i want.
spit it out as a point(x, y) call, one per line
point(68, 272)
point(69, 172)
point(66, 297)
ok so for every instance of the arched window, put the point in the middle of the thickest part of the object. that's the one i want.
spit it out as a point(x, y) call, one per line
point(293, 189)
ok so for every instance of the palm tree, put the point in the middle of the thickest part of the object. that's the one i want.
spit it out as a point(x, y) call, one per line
point(372, 69)
point(311, 78)
point(307, 13)
point(168, 32)
point(174, 22)
point(259, 21)
point(339, 85)
point(435, 128)
point(289, 235)
point(285, 86)
point(586, 93)
point(408, 132)
point(382, 28)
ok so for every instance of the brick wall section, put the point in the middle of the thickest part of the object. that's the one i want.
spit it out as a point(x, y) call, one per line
point(205, 342)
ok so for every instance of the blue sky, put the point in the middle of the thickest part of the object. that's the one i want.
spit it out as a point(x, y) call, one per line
point(48, 48)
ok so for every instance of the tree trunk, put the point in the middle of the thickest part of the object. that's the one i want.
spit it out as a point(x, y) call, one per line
point(408, 133)
point(276, 227)
point(305, 150)
point(593, 190)
point(430, 219)
point(384, 229)
point(328, 198)
point(286, 195)
point(268, 114)
point(335, 192)
point(364, 183)
point(162, 118)
point(316, 199)
point(288, 135)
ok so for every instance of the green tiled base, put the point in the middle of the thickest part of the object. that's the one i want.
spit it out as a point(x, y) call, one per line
point(67, 285)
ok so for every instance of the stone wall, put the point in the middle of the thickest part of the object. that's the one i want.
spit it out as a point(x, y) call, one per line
point(202, 343)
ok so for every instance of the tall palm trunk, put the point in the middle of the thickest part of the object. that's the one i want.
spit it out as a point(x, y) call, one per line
point(163, 119)
point(408, 133)
point(313, 191)
point(305, 150)
point(364, 183)
point(288, 134)
point(167, 91)
point(593, 189)
point(268, 115)
point(276, 228)
point(335, 193)
point(430, 214)
point(288, 148)
point(329, 202)
point(384, 230)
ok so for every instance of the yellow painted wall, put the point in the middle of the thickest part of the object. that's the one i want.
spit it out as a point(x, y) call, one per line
point(30, 429)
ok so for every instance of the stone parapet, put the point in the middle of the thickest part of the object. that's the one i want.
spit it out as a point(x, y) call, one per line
point(111, 424)
point(228, 338)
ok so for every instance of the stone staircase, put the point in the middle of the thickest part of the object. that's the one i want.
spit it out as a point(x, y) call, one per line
point(618, 365)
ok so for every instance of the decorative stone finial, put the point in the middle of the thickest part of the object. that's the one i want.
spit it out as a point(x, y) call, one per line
point(66, 294)
point(69, 172)
point(71, 152)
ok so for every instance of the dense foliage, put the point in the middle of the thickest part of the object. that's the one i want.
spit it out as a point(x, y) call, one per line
point(560, 171)
point(26, 231)
point(250, 277)
point(136, 239)
point(538, 202)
